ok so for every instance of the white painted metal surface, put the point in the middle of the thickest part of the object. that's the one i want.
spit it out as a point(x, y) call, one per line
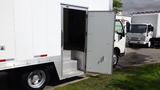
point(31, 28)
point(7, 34)
point(121, 43)
point(97, 5)
point(93, 5)
point(100, 41)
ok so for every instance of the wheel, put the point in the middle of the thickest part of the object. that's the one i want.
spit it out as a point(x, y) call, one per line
point(115, 58)
point(34, 80)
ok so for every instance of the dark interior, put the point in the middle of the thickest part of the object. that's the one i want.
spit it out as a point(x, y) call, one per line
point(74, 29)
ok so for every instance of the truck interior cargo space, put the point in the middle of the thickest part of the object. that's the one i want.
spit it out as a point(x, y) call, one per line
point(74, 30)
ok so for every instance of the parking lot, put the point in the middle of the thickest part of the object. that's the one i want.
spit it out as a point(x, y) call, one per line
point(133, 57)
point(139, 56)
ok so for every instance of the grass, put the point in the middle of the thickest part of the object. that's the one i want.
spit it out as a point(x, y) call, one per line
point(146, 77)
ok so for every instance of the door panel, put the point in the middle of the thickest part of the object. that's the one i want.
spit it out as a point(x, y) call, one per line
point(100, 42)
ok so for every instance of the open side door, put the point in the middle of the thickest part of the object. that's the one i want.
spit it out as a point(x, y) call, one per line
point(100, 40)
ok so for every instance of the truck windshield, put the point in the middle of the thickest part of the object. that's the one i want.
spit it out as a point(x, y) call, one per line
point(138, 28)
point(118, 27)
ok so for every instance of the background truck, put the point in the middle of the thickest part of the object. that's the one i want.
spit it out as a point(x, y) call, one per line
point(145, 29)
point(121, 25)
point(41, 40)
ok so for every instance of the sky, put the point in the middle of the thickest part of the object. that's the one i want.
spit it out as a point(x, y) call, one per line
point(140, 5)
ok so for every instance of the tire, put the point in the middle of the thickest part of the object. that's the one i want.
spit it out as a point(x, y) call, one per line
point(34, 80)
point(115, 58)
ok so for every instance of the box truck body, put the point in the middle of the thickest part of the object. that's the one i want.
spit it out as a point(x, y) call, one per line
point(146, 35)
point(153, 19)
point(39, 35)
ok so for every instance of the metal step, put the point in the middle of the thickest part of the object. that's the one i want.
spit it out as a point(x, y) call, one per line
point(72, 73)
point(67, 54)
point(69, 65)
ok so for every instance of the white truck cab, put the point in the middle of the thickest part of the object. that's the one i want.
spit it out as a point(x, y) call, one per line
point(121, 25)
point(145, 30)
point(141, 33)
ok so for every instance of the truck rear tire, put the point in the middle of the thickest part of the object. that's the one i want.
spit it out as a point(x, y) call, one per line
point(34, 80)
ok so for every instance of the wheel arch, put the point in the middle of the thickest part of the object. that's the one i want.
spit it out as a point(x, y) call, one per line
point(49, 68)
point(117, 50)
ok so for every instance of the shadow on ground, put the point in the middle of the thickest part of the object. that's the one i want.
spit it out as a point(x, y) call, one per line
point(133, 58)
point(60, 82)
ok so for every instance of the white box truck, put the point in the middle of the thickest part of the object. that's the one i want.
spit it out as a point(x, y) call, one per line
point(121, 25)
point(42, 39)
point(145, 29)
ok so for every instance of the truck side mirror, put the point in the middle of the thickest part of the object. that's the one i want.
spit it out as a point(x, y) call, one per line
point(123, 33)
point(128, 27)
point(120, 37)
point(150, 28)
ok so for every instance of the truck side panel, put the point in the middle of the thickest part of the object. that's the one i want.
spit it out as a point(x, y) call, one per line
point(54, 28)
point(39, 20)
point(30, 28)
point(7, 38)
point(35, 22)
point(23, 30)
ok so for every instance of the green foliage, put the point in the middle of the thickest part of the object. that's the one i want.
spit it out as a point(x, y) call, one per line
point(117, 5)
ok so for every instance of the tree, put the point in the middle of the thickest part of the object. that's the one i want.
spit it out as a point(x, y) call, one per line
point(117, 5)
